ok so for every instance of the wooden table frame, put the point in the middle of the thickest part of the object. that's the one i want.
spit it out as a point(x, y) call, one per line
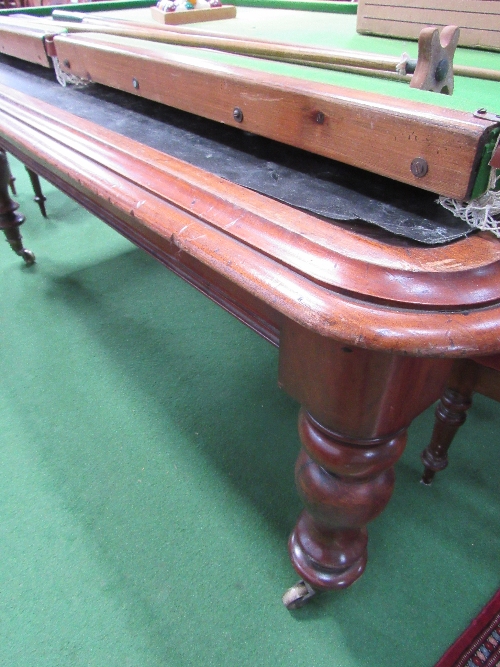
point(367, 331)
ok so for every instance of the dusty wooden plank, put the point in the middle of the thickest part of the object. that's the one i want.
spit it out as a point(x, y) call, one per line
point(25, 42)
point(381, 134)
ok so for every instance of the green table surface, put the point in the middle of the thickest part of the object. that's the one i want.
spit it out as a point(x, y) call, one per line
point(333, 27)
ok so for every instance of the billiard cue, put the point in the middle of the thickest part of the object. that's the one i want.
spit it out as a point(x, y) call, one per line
point(476, 72)
point(334, 59)
point(248, 47)
point(362, 71)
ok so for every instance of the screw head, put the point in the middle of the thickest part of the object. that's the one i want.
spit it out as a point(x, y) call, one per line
point(66, 63)
point(481, 111)
point(442, 69)
point(135, 83)
point(419, 167)
point(320, 118)
point(238, 115)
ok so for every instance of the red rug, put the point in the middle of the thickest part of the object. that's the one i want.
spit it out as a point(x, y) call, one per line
point(479, 645)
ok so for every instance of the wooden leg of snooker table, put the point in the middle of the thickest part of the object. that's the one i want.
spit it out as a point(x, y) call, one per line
point(10, 219)
point(357, 405)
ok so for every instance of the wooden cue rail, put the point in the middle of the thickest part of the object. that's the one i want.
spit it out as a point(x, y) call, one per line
point(315, 117)
point(366, 130)
point(281, 51)
point(246, 47)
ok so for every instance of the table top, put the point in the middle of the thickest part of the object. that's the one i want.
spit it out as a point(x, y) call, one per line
point(341, 280)
point(263, 260)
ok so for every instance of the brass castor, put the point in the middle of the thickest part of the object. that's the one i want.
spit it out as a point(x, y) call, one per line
point(28, 256)
point(297, 596)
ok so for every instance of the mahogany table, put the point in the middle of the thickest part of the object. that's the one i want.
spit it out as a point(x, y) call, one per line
point(367, 323)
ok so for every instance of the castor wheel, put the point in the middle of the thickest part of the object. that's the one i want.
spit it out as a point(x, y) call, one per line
point(298, 595)
point(28, 256)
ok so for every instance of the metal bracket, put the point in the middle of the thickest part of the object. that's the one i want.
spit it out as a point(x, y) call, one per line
point(492, 117)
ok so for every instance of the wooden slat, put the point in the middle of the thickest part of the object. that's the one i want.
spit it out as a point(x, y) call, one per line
point(423, 16)
point(377, 133)
point(479, 21)
point(25, 42)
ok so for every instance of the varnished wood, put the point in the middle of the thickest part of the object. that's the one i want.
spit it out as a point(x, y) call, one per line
point(451, 413)
point(468, 376)
point(357, 405)
point(25, 41)
point(367, 331)
point(340, 283)
point(286, 109)
point(10, 218)
point(40, 198)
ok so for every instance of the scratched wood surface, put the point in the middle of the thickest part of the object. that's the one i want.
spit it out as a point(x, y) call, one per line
point(270, 259)
point(365, 130)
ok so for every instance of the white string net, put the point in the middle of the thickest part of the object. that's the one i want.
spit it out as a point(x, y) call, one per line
point(482, 213)
point(66, 79)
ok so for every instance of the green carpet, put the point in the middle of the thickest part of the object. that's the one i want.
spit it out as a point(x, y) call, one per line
point(146, 482)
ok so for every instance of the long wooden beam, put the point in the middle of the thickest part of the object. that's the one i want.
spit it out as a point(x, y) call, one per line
point(366, 130)
point(356, 61)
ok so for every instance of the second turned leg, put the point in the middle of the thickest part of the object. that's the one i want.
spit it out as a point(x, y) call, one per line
point(40, 198)
point(451, 413)
point(10, 219)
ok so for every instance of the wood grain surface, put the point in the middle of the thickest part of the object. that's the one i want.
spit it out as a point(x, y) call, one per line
point(262, 256)
point(376, 133)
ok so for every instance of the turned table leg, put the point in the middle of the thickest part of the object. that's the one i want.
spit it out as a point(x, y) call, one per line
point(10, 220)
point(344, 485)
point(40, 198)
point(451, 413)
point(356, 407)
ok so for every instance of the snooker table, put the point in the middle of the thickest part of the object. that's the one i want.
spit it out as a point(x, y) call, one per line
point(368, 324)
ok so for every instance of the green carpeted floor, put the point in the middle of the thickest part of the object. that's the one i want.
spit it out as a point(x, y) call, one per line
point(146, 483)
